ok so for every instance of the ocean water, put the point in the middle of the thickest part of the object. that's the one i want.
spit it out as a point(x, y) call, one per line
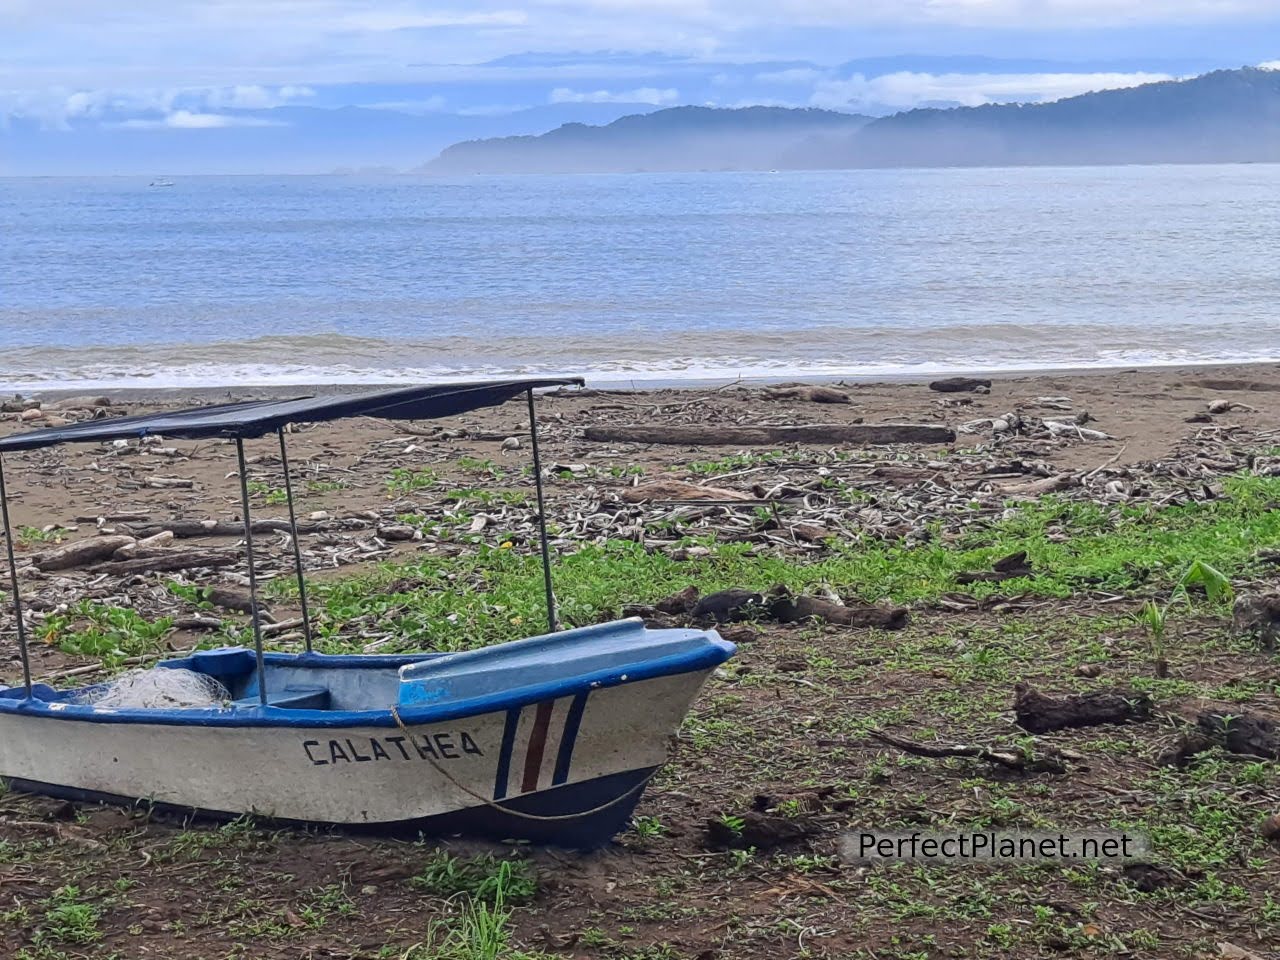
point(112, 281)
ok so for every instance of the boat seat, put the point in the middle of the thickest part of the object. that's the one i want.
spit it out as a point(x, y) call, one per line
point(290, 698)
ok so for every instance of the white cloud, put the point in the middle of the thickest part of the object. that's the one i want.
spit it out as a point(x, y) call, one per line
point(58, 107)
point(1270, 65)
point(253, 96)
point(907, 90)
point(186, 120)
point(278, 42)
point(650, 95)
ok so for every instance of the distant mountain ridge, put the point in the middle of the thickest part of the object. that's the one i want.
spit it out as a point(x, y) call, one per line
point(677, 138)
point(1223, 116)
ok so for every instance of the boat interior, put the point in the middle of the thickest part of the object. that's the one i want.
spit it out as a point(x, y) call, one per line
point(361, 683)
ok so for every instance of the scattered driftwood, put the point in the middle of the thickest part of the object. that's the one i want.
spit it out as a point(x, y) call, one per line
point(960, 385)
point(1038, 488)
point(1074, 430)
point(758, 830)
point(735, 605)
point(826, 434)
point(79, 553)
point(811, 394)
point(167, 562)
point(170, 483)
point(1007, 568)
point(186, 529)
point(1247, 734)
point(1040, 713)
point(1226, 406)
point(667, 489)
point(785, 608)
point(197, 622)
point(1047, 761)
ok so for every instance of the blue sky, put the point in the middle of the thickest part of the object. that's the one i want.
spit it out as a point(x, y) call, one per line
point(92, 86)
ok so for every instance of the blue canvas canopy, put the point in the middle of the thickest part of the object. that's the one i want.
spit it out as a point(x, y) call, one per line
point(257, 418)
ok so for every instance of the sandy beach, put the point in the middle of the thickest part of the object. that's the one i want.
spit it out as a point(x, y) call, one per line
point(1108, 484)
point(1145, 410)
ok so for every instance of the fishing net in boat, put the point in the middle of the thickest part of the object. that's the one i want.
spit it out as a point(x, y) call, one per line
point(158, 688)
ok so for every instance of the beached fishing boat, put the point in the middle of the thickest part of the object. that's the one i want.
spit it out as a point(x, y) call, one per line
point(551, 738)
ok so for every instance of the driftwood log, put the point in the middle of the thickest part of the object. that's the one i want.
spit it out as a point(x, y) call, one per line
point(167, 562)
point(1040, 713)
point(758, 830)
point(1047, 761)
point(81, 552)
point(811, 394)
point(186, 529)
point(959, 385)
point(1007, 568)
point(1249, 734)
point(821, 433)
point(790, 609)
point(668, 489)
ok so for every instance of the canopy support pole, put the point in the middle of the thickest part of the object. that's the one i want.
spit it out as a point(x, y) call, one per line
point(297, 548)
point(553, 623)
point(253, 577)
point(13, 584)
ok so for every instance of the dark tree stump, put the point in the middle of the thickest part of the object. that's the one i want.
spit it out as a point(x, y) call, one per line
point(1040, 713)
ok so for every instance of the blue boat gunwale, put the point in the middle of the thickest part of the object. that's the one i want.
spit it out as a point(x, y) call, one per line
point(706, 657)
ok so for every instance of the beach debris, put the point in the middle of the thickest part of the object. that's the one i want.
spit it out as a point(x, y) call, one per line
point(1247, 733)
point(1040, 713)
point(670, 489)
point(753, 829)
point(808, 393)
point(1038, 759)
point(1258, 615)
point(1052, 403)
point(1230, 951)
point(170, 483)
point(762, 436)
point(1226, 406)
point(785, 607)
point(1006, 568)
point(511, 443)
point(168, 561)
point(399, 532)
point(961, 385)
point(728, 606)
point(1075, 431)
point(79, 553)
point(188, 529)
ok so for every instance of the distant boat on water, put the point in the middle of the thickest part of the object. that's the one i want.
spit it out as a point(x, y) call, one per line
point(160, 182)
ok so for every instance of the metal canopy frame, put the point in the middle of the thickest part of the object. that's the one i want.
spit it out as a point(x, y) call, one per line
point(553, 624)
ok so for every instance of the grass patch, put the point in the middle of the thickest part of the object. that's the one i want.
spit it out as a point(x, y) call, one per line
point(496, 594)
point(69, 919)
point(112, 634)
point(483, 877)
point(27, 536)
point(406, 480)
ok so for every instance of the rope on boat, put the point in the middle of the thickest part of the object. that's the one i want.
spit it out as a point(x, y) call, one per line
point(395, 715)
